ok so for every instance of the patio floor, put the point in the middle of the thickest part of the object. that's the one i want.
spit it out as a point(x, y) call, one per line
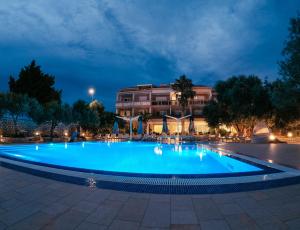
point(284, 154)
point(30, 202)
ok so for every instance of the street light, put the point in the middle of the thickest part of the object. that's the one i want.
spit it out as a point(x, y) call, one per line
point(92, 92)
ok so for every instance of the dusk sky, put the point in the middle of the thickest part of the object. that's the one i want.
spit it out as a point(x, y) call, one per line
point(114, 44)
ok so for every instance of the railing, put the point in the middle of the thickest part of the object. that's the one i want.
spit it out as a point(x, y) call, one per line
point(157, 103)
point(133, 103)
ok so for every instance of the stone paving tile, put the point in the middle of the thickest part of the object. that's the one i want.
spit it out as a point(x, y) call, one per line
point(222, 199)
point(123, 225)
point(15, 215)
point(183, 217)
point(241, 221)
point(11, 204)
point(2, 226)
point(247, 203)
point(275, 226)
point(119, 196)
point(55, 209)
point(157, 215)
point(85, 206)
point(35, 221)
point(97, 196)
point(185, 227)
point(68, 220)
point(293, 224)
point(230, 209)
point(206, 209)
point(181, 203)
point(105, 213)
point(160, 198)
point(133, 210)
point(90, 226)
point(214, 225)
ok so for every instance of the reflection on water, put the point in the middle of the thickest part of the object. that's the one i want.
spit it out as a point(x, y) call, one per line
point(158, 150)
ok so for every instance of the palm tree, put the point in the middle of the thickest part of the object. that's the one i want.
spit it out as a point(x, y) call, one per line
point(184, 89)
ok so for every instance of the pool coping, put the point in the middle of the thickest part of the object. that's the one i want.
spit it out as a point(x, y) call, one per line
point(173, 184)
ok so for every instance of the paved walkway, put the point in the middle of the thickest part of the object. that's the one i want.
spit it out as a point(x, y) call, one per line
point(30, 202)
point(285, 154)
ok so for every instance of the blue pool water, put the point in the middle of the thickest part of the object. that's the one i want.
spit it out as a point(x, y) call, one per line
point(133, 157)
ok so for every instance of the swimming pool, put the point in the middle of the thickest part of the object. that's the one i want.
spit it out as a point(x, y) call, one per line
point(131, 157)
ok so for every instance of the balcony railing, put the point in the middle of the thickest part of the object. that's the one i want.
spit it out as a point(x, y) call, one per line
point(133, 103)
point(156, 103)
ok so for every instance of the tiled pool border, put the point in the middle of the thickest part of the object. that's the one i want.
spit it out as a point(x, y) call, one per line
point(272, 176)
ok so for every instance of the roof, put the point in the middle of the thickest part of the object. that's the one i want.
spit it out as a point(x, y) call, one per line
point(151, 86)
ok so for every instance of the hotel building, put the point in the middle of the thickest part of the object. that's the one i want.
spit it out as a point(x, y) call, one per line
point(161, 100)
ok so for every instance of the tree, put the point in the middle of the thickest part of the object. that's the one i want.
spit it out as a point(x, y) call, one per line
point(290, 66)
point(241, 102)
point(285, 93)
point(55, 113)
point(106, 122)
point(212, 113)
point(36, 84)
point(2, 104)
point(285, 99)
point(87, 115)
point(184, 89)
point(16, 105)
point(36, 111)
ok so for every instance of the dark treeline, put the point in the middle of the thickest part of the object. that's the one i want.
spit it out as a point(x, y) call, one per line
point(243, 100)
point(33, 95)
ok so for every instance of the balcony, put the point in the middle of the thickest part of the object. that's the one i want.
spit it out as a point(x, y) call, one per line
point(157, 103)
point(132, 103)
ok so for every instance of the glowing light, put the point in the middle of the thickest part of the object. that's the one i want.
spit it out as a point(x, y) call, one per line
point(270, 161)
point(92, 91)
point(36, 147)
point(83, 134)
point(37, 133)
point(66, 145)
point(158, 150)
point(201, 156)
point(290, 134)
point(82, 144)
point(66, 134)
point(272, 137)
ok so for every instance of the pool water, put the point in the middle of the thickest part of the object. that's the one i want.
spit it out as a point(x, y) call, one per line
point(130, 157)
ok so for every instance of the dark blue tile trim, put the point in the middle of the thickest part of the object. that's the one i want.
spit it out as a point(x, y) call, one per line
point(160, 189)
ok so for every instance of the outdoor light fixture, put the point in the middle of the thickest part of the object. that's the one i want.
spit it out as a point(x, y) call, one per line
point(272, 137)
point(37, 133)
point(66, 134)
point(290, 134)
point(92, 92)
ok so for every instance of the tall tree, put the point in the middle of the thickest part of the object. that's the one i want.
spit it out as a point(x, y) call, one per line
point(184, 89)
point(87, 115)
point(290, 66)
point(16, 105)
point(285, 92)
point(2, 104)
point(36, 84)
point(241, 101)
point(55, 113)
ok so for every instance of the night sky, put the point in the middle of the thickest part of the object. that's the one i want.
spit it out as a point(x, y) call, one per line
point(114, 44)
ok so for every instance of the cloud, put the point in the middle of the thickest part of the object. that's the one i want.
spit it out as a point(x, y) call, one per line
point(112, 43)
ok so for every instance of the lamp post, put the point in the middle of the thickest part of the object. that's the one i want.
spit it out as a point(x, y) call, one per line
point(91, 93)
